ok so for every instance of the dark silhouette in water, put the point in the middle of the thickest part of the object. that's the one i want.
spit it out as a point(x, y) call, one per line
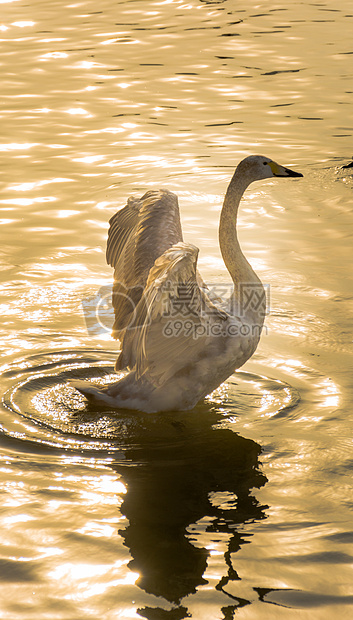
point(170, 480)
point(350, 165)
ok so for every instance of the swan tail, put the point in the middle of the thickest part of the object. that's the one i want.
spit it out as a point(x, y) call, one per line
point(91, 392)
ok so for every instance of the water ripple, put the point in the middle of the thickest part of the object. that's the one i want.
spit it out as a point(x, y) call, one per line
point(47, 411)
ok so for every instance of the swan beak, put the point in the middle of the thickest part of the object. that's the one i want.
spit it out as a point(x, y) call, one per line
point(280, 171)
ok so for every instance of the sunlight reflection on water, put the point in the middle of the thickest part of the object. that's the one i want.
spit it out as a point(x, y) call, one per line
point(102, 102)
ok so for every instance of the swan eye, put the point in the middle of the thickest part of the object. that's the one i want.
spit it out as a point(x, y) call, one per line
point(265, 163)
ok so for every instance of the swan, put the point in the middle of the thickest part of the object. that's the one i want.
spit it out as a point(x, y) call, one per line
point(179, 342)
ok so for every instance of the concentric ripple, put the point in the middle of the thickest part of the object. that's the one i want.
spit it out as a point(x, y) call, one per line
point(42, 408)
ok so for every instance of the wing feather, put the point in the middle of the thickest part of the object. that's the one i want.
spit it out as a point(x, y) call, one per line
point(170, 330)
point(121, 226)
point(139, 233)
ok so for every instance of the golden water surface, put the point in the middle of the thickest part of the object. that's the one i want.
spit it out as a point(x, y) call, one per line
point(241, 508)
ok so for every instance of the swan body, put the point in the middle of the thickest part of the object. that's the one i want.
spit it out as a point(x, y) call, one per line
point(178, 342)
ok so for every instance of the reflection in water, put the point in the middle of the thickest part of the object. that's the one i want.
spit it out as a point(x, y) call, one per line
point(179, 493)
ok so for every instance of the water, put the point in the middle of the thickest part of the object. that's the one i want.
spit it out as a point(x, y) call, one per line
point(241, 508)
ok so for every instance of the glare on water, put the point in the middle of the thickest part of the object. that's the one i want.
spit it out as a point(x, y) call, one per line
point(243, 507)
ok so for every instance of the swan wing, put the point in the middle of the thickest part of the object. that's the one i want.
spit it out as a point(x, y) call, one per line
point(139, 233)
point(171, 326)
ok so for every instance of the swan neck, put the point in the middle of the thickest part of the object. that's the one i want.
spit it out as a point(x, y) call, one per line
point(246, 282)
point(234, 259)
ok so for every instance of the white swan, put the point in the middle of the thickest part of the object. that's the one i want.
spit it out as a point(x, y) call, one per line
point(178, 343)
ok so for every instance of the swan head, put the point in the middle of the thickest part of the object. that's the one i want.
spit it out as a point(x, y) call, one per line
point(257, 167)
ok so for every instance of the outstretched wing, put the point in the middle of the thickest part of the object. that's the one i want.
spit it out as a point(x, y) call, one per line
point(139, 233)
point(171, 327)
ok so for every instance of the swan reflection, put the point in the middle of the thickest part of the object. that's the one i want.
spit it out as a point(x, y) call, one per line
point(187, 488)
